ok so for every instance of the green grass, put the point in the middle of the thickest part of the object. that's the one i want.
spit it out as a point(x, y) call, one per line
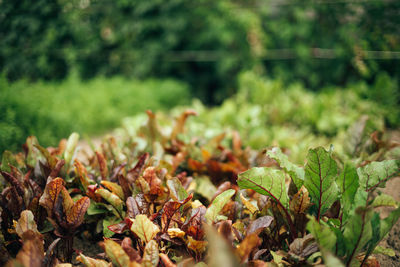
point(52, 111)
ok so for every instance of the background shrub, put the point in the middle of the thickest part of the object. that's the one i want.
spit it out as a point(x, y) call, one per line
point(51, 111)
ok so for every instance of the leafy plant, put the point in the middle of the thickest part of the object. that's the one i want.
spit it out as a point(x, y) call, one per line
point(163, 197)
point(341, 208)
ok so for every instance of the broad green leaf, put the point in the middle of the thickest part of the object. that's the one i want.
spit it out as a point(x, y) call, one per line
point(90, 262)
point(151, 254)
point(145, 229)
point(357, 233)
point(266, 181)
point(376, 174)
point(384, 251)
point(296, 172)
point(114, 187)
point(330, 260)
point(376, 235)
point(70, 148)
point(322, 233)
point(321, 171)
point(111, 198)
point(176, 190)
point(116, 254)
point(380, 228)
point(107, 221)
point(217, 205)
point(277, 258)
point(205, 187)
point(97, 208)
point(348, 184)
point(388, 222)
point(384, 200)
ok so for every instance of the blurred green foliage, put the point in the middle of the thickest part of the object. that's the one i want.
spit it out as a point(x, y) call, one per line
point(204, 43)
point(332, 42)
point(51, 111)
point(266, 113)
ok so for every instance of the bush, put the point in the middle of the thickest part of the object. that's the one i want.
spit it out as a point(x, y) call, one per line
point(52, 110)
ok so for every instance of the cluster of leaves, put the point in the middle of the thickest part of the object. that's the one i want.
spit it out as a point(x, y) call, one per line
point(265, 113)
point(161, 198)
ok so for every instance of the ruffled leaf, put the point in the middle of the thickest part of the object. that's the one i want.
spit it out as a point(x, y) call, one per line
point(296, 172)
point(26, 223)
point(376, 174)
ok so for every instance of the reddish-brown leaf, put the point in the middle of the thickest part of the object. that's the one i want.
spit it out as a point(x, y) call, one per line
point(126, 188)
point(236, 144)
point(169, 210)
point(302, 248)
point(37, 191)
point(194, 224)
point(91, 192)
point(32, 252)
point(50, 195)
point(166, 261)
point(117, 171)
point(133, 254)
point(180, 123)
point(150, 176)
point(102, 165)
point(300, 201)
point(135, 172)
point(82, 173)
point(14, 182)
point(225, 229)
point(195, 165)
point(76, 214)
point(120, 227)
point(249, 243)
point(137, 205)
point(259, 224)
point(26, 223)
point(56, 170)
